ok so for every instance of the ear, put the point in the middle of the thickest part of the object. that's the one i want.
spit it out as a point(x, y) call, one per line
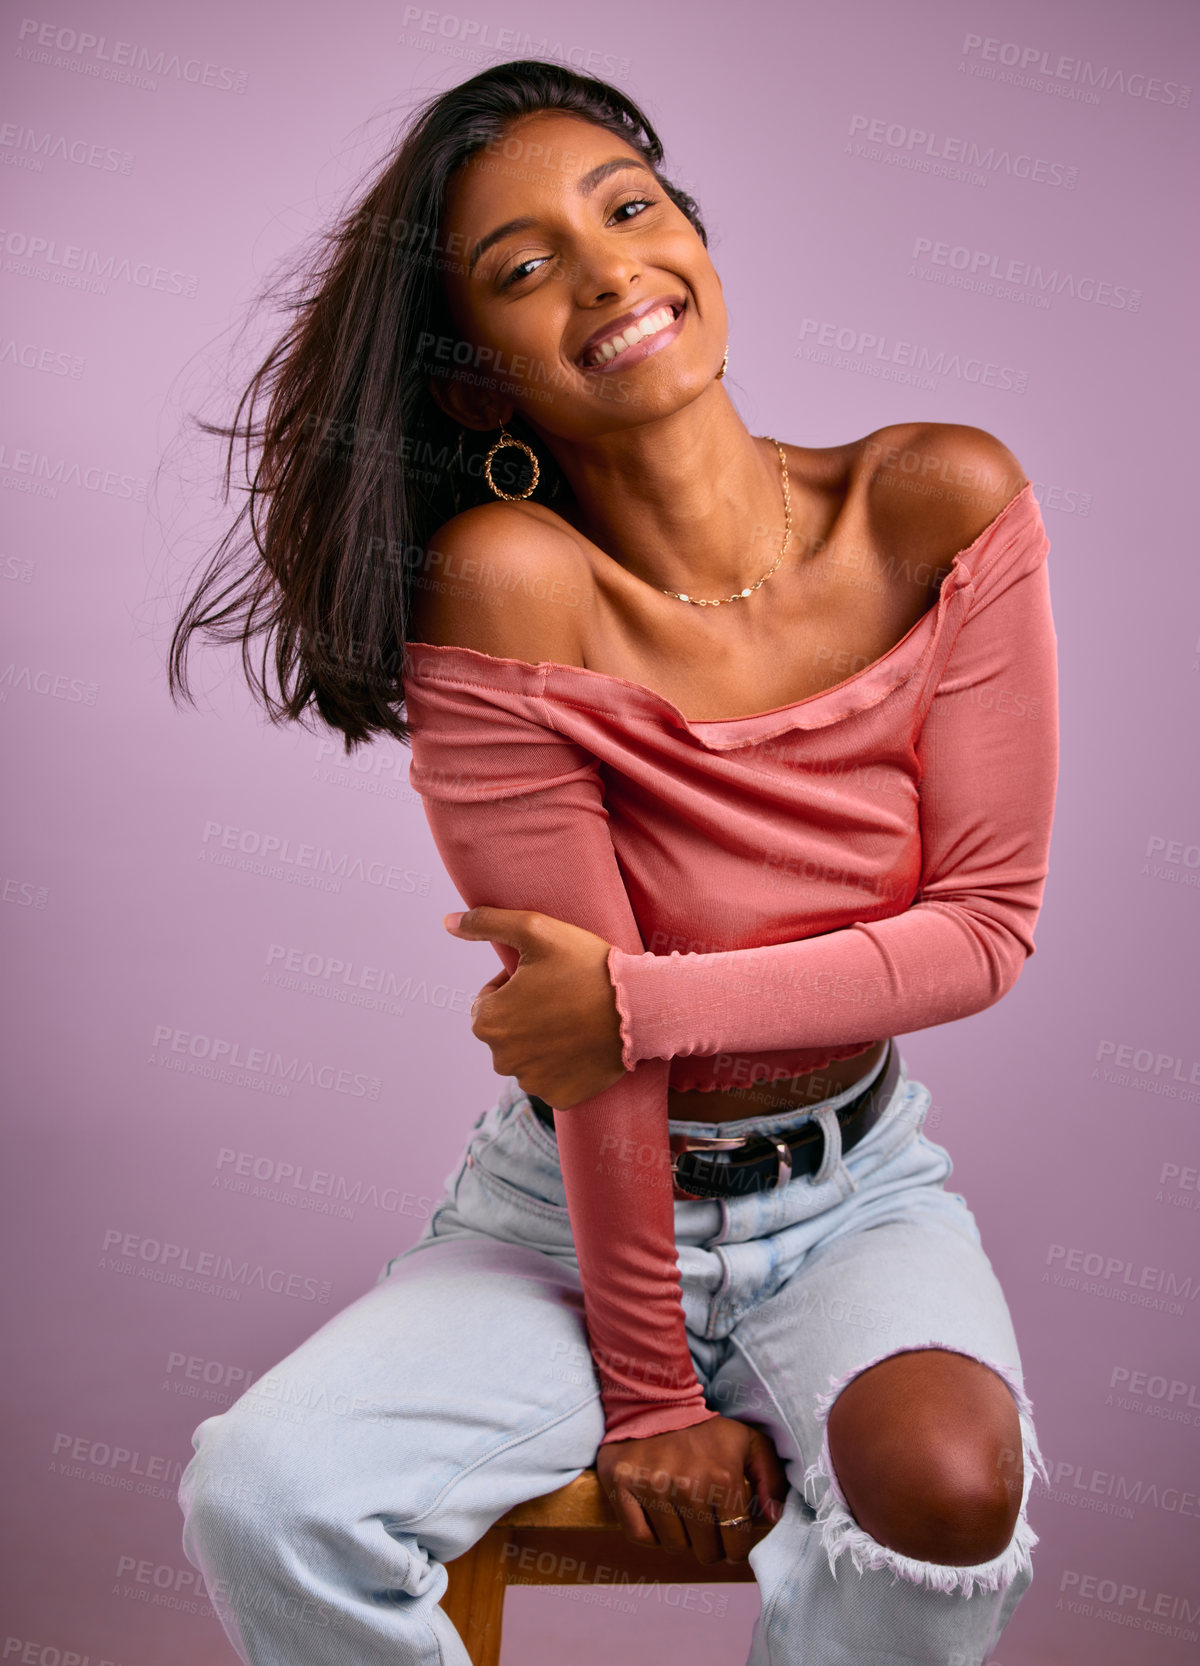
point(467, 405)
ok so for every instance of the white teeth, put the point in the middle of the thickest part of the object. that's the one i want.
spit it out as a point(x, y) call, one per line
point(637, 331)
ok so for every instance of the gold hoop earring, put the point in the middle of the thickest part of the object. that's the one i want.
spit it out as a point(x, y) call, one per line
point(724, 362)
point(508, 439)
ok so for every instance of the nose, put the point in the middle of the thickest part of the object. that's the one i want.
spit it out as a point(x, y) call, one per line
point(601, 272)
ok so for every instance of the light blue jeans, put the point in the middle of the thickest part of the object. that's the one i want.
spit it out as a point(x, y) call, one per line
point(322, 1506)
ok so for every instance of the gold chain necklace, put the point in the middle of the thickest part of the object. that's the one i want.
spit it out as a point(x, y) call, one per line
point(701, 601)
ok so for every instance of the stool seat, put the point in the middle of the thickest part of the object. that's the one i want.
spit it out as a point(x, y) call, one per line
point(571, 1536)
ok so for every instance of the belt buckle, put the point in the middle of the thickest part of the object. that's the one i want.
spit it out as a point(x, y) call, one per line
point(681, 1144)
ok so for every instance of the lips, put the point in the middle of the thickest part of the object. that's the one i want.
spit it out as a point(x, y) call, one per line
point(617, 327)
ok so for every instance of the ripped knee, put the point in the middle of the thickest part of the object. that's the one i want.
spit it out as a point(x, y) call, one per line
point(951, 1525)
point(926, 1450)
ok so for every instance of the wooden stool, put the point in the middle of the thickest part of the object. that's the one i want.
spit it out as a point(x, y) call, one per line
point(569, 1537)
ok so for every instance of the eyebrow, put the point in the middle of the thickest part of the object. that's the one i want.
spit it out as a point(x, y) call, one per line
point(584, 187)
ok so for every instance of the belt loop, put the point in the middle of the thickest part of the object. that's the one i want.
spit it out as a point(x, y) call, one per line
point(827, 1116)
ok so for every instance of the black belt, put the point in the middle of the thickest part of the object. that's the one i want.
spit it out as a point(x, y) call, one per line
point(721, 1166)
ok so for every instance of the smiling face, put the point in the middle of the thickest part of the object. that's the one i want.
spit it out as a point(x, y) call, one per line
point(588, 296)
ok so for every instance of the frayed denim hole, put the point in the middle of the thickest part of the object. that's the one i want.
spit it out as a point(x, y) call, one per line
point(841, 1533)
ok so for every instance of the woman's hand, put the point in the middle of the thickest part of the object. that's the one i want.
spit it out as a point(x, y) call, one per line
point(674, 1489)
point(553, 1023)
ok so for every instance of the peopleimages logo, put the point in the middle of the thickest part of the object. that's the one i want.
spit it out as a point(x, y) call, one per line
point(118, 60)
point(1132, 1602)
point(35, 471)
point(1124, 1064)
point(982, 266)
point(892, 358)
point(279, 1180)
point(1067, 1476)
point(57, 684)
point(1028, 64)
point(103, 1454)
point(312, 971)
point(166, 1263)
point(927, 148)
point(226, 1059)
point(474, 39)
point(279, 856)
point(48, 361)
point(1119, 1279)
point(77, 266)
point(1153, 1393)
point(29, 147)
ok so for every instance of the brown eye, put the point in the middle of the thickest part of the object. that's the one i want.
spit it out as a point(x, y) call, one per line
point(519, 272)
point(634, 202)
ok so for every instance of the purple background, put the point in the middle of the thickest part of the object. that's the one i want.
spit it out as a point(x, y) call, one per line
point(823, 144)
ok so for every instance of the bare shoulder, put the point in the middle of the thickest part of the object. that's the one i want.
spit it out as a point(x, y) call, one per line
point(936, 484)
point(505, 579)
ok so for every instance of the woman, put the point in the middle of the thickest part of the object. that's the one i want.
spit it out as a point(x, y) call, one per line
point(743, 756)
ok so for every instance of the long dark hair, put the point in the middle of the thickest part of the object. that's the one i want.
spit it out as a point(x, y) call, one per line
point(357, 464)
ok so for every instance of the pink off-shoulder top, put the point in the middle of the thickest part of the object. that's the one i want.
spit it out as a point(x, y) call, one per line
point(780, 890)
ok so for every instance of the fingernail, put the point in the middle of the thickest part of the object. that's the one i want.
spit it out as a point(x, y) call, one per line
point(452, 921)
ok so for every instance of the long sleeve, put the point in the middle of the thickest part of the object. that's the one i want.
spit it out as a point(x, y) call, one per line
point(987, 752)
point(517, 813)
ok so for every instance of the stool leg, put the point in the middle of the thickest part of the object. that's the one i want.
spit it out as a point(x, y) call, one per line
point(474, 1598)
